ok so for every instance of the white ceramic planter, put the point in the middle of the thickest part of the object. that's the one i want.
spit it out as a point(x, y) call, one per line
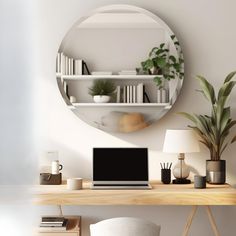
point(101, 98)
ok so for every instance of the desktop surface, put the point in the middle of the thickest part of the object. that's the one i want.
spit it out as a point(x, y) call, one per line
point(160, 194)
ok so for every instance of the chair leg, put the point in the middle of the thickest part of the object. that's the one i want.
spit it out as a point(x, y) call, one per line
point(189, 220)
point(212, 221)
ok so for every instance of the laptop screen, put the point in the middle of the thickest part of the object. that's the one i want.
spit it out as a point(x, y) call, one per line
point(120, 164)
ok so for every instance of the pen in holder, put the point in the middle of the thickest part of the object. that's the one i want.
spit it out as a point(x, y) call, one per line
point(166, 173)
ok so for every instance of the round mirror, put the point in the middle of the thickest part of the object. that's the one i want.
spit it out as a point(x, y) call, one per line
point(120, 68)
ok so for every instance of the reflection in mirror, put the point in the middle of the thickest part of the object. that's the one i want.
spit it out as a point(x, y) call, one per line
point(120, 69)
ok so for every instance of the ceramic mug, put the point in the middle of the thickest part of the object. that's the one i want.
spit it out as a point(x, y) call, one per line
point(74, 183)
point(56, 167)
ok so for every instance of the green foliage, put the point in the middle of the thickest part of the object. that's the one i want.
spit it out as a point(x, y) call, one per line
point(102, 87)
point(214, 129)
point(159, 62)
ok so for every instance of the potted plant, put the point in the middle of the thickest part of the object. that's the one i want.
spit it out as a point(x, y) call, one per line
point(214, 129)
point(102, 90)
point(161, 63)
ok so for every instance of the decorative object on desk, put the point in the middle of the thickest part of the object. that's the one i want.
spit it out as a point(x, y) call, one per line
point(199, 181)
point(165, 173)
point(160, 62)
point(74, 183)
point(56, 167)
point(214, 129)
point(180, 141)
point(102, 90)
point(50, 179)
point(72, 99)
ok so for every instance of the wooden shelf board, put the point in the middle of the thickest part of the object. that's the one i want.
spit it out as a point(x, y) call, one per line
point(122, 105)
point(92, 77)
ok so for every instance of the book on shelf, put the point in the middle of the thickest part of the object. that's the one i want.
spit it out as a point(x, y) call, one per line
point(140, 93)
point(124, 94)
point(128, 72)
point(101, 73)
point(78, 67)
point(118, 100)
point(130, 94)
point(134, 94)
point(53, 219)
point(53, 224)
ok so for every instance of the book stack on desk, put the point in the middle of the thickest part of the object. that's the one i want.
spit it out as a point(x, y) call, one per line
point(53, 223)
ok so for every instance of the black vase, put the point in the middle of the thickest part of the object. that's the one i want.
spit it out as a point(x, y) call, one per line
point(215, 171)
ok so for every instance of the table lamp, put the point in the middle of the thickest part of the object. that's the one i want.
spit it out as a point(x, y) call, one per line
point(181, 142)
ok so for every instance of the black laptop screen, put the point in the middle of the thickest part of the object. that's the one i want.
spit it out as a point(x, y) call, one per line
point(120, 164)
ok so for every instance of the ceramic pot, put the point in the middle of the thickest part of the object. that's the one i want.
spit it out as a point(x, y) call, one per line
point(101, 98)
point(215, 171)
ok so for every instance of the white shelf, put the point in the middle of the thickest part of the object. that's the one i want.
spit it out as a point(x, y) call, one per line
point(92, 77)
point(165, 105)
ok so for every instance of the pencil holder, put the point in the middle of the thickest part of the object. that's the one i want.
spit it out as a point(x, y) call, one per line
point(199, 181)
point(165, 176)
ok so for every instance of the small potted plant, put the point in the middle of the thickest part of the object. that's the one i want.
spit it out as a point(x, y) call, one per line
point(162, 64)
point(214, 129)
point(102, 90)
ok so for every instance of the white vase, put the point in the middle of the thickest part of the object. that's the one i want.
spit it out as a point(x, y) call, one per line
point(101, 98)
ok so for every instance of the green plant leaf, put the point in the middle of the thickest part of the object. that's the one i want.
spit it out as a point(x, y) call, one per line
point(224, 119)
point(226, 89)
point(102, 87)
point(234, 139)
point(222, 150)
point(207, 89)
point(230, 76)
point(161, 62)
point(162, 45)
point(188, 116)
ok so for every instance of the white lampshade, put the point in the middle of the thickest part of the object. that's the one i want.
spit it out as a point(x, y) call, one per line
point(180, 141)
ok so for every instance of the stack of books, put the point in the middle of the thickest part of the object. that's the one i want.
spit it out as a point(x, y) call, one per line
point(128, 72)
point(101, 73)
point(53, 224)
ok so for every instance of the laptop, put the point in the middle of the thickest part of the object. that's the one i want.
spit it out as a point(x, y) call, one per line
point(120, 168)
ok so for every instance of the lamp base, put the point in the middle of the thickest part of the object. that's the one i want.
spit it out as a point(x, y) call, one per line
point(181, 181)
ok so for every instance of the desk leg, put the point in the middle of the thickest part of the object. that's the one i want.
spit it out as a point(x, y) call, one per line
point(60, 210)
point(189, 220)
point(212, 221)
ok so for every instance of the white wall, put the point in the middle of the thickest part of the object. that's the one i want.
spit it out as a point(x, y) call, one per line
point(207, 33)
point(206, 30)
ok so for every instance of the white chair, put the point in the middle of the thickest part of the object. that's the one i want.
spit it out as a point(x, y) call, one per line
point(125, 226)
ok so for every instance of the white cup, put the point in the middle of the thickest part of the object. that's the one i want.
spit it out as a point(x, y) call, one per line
point(72, 99)
point(74, 183)
point(56, 167)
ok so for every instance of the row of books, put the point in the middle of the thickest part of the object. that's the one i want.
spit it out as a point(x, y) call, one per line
point(53, 224)
point(131, 94)
point(69, 66)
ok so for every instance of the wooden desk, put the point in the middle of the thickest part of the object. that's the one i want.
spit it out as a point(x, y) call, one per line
point(159, 195)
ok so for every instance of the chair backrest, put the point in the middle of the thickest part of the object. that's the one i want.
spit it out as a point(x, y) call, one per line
point(125, 226)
